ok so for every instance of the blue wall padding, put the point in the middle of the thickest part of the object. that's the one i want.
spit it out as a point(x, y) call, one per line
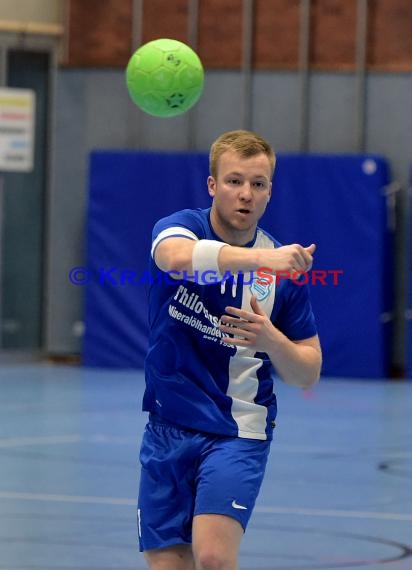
point(337, 202)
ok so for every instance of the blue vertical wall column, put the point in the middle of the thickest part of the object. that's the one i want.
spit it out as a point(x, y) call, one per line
point(409, 289)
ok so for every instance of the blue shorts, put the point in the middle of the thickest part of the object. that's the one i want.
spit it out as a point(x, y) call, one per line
point(184, 474)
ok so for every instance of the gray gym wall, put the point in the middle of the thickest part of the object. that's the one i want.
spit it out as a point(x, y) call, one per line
point(93, 111)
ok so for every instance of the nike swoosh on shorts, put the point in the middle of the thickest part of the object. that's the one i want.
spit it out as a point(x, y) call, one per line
point(236, 505)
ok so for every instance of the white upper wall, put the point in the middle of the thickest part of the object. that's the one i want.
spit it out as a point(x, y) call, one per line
point(47, 11)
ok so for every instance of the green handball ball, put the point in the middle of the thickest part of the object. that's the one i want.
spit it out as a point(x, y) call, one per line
point(165, 77)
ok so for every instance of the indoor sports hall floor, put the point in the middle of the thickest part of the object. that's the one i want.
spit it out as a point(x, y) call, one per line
point(338, 490)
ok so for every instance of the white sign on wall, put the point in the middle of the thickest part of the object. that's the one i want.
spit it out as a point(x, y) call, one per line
point(17, 108)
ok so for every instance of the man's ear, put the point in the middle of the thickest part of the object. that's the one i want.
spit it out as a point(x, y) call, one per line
point(211, 186)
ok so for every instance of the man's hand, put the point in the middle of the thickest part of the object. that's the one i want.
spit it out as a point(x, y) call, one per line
point(290, 258)
point(297, 362)
point(250, 329)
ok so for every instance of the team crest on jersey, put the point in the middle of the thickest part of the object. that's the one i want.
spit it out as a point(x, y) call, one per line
point(261, 288)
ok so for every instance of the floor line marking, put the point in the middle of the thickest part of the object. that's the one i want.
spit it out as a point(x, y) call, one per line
point(84, 499)
point(81, 499)
point(40, 440)
point(335, 513)
point(11, 442)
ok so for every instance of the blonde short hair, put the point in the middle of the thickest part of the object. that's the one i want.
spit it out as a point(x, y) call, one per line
point(244, 143)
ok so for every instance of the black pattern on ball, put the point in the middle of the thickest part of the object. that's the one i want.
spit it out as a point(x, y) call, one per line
point(176, 100)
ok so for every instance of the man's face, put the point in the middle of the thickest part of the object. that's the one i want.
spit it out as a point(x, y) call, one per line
point(240, 192)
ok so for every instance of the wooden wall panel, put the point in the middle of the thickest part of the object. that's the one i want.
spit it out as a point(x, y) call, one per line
point(99, 33)
point(333, 34)
point(164, 19)
point(276, 34)
point(220, 33)
point(390, 36)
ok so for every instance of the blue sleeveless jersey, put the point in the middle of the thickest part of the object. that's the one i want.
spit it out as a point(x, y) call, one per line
point(194, 379)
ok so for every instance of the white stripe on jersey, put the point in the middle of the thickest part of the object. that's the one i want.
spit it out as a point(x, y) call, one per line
point(243, 366)
point(176, 231)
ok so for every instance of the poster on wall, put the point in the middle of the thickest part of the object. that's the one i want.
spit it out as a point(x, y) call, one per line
point(17, 110)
